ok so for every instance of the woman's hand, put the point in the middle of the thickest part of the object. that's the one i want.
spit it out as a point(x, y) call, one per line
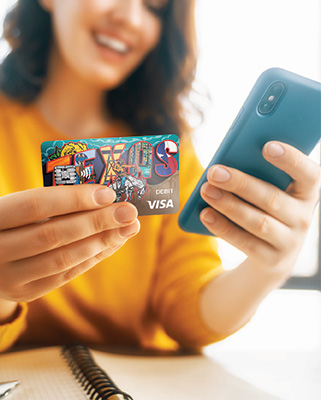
point(266, 223)
point(48, 236)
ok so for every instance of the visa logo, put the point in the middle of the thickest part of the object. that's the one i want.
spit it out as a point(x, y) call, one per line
point(160, 204)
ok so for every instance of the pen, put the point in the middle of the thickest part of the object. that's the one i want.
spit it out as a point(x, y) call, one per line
point(7, 387)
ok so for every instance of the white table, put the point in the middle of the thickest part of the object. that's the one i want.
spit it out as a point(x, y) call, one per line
point(279, 351)
point(276, 356)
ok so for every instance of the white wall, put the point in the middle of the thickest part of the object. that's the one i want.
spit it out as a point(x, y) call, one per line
point(240, 39)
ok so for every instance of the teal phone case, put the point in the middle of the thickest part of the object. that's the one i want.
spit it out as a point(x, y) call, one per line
point(281, 106)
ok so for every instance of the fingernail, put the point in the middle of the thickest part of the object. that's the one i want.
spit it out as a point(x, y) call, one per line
point(208, 217)
point(125, 214)
point(129, 230)
point(220, 174)
point(212, 192)
point(104, 196)
point(274, 150)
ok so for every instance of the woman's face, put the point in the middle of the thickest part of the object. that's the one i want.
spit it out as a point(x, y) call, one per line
point(103, 41)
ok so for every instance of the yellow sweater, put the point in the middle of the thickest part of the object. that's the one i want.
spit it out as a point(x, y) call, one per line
point(146, 294)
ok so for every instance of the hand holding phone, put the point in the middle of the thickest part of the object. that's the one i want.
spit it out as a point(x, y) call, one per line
point(282, 106)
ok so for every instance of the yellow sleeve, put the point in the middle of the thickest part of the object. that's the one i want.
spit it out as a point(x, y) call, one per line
point(10, 332)
point(187, 263)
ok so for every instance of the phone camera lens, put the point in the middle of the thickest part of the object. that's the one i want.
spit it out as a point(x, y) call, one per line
point(266, 108)
point(271, 97)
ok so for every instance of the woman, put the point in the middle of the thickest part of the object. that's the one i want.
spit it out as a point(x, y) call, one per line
point(120, 68)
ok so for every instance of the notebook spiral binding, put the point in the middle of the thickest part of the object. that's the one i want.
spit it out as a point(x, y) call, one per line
point(95, 382)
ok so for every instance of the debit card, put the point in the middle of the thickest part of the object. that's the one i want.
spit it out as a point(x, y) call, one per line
point(143, 170)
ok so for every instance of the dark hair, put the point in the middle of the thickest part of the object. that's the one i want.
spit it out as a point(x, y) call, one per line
point(152, 100)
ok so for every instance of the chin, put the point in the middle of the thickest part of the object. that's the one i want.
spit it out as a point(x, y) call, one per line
point(107, 80)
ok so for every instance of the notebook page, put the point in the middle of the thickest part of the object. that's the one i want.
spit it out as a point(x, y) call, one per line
point(195, 377)
point(43, 374)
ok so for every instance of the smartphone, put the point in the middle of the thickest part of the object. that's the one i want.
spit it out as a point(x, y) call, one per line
point(281, 106)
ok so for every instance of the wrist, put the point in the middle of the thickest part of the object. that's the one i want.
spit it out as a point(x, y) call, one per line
point(8, 311)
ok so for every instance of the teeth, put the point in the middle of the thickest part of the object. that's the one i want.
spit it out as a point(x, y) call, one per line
point(113, 43)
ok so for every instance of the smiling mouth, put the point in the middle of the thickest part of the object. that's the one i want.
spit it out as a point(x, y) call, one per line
point(111, 43)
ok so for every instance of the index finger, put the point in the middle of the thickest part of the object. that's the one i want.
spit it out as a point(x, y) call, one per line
point(306, 173)
point(30, 206)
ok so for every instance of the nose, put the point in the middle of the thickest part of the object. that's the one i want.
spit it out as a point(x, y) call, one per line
point(129, 12)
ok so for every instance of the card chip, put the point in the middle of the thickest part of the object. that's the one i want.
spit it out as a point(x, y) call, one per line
point(65, 175)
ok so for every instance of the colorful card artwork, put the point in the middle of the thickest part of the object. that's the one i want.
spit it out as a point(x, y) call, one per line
point(143, 170)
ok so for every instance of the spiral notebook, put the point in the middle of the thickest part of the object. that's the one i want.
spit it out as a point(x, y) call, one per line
point(77, 373)
point(57, 373)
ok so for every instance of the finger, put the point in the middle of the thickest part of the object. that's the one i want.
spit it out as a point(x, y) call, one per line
point(62, 259)
point(305, 172)
point(40, 287)
point(243, 214)
point(29, 206)
point(262, 195)
point(222, 227)
point(59, 231)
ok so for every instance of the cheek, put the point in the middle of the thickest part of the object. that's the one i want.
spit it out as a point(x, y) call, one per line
point(68, 23)
point(64, 23)
point(151, 34)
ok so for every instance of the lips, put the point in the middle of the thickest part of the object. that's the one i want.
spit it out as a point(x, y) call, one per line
point(112, 43)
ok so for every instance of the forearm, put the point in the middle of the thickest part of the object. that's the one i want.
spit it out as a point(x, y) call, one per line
point(267, 224)
point(231, 299)
point(7, 311)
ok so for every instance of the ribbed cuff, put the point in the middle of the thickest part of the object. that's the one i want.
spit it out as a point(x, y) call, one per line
point(10, 332)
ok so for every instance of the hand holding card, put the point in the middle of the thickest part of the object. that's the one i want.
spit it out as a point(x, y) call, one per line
point(62, 232)
point(141, 170)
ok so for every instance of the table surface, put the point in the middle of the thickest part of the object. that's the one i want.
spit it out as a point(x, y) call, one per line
point(279, 351)
point(277, 355)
